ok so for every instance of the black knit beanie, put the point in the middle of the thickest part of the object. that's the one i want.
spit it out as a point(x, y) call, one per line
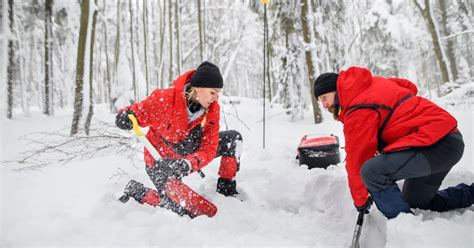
point(325, 83)
point(207, 75)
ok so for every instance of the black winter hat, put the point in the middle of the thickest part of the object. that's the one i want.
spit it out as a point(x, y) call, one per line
point(325, 83)
point(207, 75)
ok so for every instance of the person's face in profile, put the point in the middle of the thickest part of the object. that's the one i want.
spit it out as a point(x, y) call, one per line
point(327, 100)
point(206, 96)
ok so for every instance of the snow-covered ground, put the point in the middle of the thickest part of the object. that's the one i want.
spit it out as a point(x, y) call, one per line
point(281, 203)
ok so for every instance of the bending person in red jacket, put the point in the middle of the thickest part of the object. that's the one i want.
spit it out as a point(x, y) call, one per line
point(413, 138)
point(183, 126)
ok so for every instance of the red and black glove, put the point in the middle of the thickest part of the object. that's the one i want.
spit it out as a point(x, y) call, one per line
point(167, 168)
point(366, 205)
point(177, 168)
point(122, 121)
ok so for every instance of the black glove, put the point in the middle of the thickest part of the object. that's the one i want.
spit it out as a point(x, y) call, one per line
point(122, 121)
point(177, 168)
point(366, 205)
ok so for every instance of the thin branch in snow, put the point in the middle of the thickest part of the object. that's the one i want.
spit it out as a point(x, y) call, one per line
point(470, 31)
point(237, 117)
point(60, 148)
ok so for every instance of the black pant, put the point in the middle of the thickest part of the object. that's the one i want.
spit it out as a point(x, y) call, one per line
point(423, 169)
point(230, 143)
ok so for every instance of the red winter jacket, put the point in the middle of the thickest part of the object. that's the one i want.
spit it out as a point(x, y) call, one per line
point(165, 113)
point(365, 103)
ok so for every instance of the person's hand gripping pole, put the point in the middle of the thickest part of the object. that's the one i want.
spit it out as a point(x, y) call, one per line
point(141, 136)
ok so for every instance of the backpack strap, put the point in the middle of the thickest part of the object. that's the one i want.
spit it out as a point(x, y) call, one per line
point(381, 144)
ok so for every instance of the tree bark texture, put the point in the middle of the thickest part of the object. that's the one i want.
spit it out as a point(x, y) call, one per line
point(81, 52)
point(47, 57)
point(435, 39)
point(135, 92)
point(91, 72)
point(11, 61)
point(318, 118)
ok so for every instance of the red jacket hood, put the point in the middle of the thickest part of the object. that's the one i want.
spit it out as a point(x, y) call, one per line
point(351, 83)
point(182, 80)
point(355, 80)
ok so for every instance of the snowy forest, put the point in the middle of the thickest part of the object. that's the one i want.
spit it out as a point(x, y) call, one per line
point(68, 66)
point(63, 53)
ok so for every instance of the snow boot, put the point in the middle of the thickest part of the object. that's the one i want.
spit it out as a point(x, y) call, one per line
point(227, 187)
point(390, 201)
point(135, 190)
point(460, 196)
point(140, 193)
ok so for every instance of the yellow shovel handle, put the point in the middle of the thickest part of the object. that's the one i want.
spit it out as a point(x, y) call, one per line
point(136, 128)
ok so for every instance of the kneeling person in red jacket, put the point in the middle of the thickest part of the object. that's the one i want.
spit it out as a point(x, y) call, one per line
point(183, 126)
point(392, 134)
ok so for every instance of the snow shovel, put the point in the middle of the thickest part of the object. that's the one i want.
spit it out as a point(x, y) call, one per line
point(358, 230)
point(176, 190)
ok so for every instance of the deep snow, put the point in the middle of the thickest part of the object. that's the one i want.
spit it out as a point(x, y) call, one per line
point(281, 204)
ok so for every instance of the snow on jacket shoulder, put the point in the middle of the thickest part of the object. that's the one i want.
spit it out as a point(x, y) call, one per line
point(365, 103)
point(165, 113)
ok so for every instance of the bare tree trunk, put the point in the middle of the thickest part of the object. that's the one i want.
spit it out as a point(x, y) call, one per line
point(91, 70)
point(11, 61)
point(318, 118)
point(204, 29)
point(30, 64)
point(22, 79)
point(449, 42)
point(200, 31)
point(156, 33)
point(51, 75)
point(162, 42)
point(47, 57)
point(426, 13)
point(269, 85)
point(145, 46)
point(100, 86)
point(81, 52)
point(178, 34)
point(107, 59)
point(107, 63)
point(170, 21)
point(61, 99)
point(135, 94)
point(467, 11)
point(117, 40)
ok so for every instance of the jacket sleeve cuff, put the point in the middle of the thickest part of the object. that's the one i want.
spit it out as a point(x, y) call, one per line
point(189, 166)
point(195, 162)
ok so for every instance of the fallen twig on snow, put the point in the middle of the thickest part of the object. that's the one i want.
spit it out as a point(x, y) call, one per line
point(60, 147)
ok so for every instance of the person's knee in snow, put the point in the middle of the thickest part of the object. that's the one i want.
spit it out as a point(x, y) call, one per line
point(230, 144)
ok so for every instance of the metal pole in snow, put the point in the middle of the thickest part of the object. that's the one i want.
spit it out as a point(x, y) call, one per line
point(265, 3)
point(358, 230)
